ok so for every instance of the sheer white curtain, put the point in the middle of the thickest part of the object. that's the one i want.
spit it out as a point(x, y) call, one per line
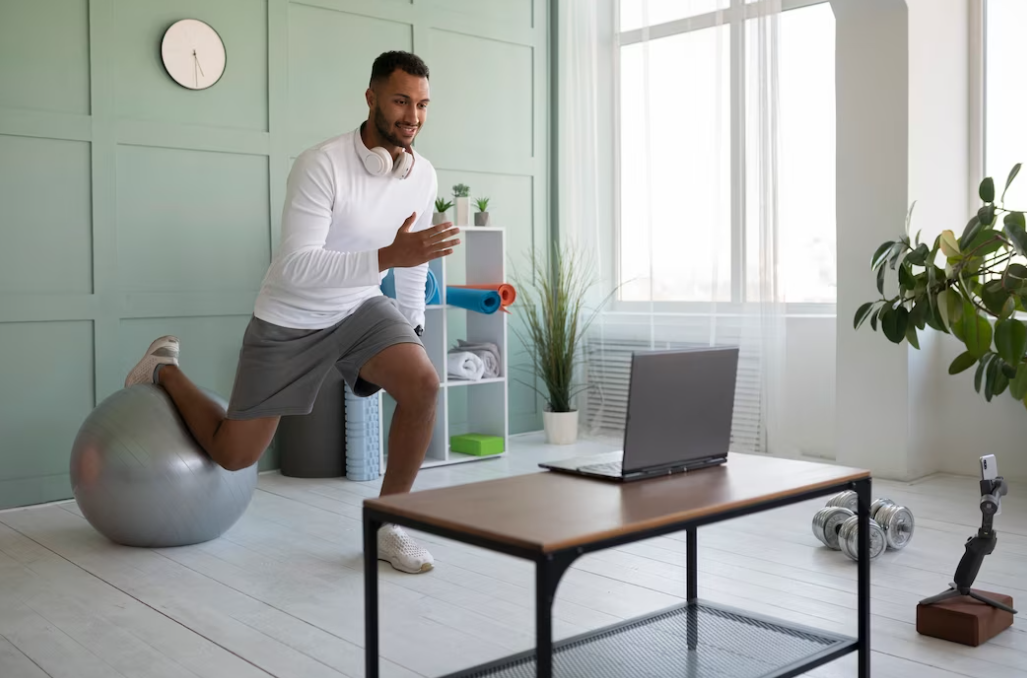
point(668, 146)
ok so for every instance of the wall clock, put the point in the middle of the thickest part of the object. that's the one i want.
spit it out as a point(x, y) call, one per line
point(193, 54)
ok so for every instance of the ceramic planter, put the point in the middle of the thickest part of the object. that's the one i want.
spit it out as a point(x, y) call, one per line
point(481, 219)
point(463, 211)
point(439, 218)
point(561, 427)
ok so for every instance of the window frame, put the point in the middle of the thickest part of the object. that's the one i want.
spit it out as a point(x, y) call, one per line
point(733, 16)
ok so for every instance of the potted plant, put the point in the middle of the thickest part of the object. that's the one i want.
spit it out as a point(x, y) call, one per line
point(481, 217)
point(552, 302)
point(974, 294)
point(463, 204)
point(441, 207)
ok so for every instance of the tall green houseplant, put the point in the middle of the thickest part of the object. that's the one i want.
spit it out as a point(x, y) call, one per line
point(974, 292)
point(555, 321)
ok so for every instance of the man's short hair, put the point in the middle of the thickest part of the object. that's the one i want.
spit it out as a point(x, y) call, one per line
point(387, 62)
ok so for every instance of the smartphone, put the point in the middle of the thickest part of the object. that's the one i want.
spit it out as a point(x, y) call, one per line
point(989, 471)
point(989, 467)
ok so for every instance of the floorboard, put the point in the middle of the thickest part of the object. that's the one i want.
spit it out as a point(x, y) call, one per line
point(280, 594)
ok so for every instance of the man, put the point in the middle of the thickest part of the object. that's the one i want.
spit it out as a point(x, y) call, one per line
point(320, 305)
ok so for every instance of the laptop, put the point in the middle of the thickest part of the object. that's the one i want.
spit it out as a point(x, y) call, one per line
point(680, 408)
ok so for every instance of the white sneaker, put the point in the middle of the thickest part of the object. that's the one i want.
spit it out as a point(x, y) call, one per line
point(402, 552)
point(163, 351)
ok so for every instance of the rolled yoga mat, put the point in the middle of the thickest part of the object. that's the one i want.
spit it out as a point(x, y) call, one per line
point(431, 287)
point(507, 292)
point(482, 301)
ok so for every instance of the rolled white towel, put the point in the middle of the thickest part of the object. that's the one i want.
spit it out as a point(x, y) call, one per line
point(465, 365)
point(487, 351)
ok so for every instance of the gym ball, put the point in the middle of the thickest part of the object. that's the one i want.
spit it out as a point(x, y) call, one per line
point(141, 479)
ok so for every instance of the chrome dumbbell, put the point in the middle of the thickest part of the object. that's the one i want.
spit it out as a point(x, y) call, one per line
point(826, 523)
point(848, 538)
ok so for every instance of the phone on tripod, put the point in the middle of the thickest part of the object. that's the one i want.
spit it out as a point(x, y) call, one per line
point(989, 471)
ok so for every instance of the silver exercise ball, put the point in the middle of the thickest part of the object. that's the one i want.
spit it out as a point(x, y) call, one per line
point(141, 479)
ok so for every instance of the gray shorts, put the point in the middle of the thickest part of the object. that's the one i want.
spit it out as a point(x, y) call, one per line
point(281, 369)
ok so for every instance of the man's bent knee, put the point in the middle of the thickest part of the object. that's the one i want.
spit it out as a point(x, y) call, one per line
point(421, 389)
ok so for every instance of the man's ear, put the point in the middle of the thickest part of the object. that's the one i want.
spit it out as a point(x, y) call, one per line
point(369, 96)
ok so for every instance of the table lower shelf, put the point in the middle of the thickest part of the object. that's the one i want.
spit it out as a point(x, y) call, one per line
point(726, 641)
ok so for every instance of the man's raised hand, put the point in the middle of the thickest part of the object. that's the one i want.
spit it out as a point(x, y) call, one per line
point(415, 248)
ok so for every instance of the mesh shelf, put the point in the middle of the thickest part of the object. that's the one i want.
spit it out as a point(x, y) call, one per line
point(727, 643)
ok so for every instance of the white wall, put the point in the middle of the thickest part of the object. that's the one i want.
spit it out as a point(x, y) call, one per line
point(939, 181)
point(872, 392)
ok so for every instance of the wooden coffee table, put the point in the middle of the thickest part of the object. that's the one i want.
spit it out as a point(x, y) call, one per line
point(552, 519)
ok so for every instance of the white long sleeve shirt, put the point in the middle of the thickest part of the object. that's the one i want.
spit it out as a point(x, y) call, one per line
point(336, 218)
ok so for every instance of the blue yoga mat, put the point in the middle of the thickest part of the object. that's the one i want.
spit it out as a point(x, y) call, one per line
point(431, 287)
point(482, 301)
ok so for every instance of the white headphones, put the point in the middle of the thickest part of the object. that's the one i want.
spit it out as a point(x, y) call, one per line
point(378, 161)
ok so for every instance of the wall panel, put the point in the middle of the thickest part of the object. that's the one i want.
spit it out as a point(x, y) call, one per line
point(45, 197)
point(44, 55)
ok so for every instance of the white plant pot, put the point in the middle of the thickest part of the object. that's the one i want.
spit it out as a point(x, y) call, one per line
point(561, 427)
point(439, 218)
point(463, 211)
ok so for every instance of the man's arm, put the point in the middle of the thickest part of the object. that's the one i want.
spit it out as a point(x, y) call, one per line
point(410, 282)
point(302, 260)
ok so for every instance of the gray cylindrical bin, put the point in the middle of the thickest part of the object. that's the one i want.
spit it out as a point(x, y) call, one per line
point(314, 445)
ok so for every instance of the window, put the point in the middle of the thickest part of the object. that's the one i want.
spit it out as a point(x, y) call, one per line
point(1005, 98)
point(681, 153)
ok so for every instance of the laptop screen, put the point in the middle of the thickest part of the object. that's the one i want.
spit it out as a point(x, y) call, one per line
point(680, 406)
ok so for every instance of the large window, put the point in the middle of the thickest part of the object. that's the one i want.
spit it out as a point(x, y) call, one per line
point(683, 161)
point(1005, 97)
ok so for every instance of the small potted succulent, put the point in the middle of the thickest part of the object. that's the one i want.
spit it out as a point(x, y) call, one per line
point(463, 204)
point(441, 207)
point(481, 217)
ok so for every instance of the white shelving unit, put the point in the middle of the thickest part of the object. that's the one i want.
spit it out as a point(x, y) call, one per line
point(464, 406)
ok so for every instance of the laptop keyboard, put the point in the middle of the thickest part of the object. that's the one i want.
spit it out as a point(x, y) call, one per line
point(606, 467)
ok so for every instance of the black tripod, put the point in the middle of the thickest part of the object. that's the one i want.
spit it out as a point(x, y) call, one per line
point(976, 548)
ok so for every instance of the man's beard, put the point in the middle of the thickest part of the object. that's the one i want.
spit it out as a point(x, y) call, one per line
point(382, 125)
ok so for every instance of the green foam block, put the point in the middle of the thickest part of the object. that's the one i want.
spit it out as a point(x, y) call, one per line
point(476, 444)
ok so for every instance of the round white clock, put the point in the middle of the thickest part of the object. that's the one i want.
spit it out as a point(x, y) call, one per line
point(193, 54)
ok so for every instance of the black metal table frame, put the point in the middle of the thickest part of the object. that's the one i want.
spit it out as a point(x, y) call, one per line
point(550, 568)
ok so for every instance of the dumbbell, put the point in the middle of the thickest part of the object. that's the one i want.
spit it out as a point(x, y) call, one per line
point(891, 525)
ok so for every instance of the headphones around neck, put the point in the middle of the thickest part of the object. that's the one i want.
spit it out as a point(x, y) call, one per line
point(378, 162)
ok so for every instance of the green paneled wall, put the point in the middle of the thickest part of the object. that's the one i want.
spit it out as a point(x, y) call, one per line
point(133, 207)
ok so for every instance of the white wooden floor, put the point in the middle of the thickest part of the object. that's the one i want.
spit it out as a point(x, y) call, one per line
point(281, 593)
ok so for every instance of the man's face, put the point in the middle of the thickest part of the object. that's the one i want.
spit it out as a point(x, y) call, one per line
point(400, 107)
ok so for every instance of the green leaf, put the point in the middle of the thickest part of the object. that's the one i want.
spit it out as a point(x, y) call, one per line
point(896, 253)
point(880, 279)
point(1018, 238)
point(1018, 271)
point(881, 255)
point(1015, 219)
point(995, 296)
point(1012, 175)
point(987, 190)
point(976, 331)
point(989, 379)
point(1001, 381)
point(909, 218)
point(963, 362)
point(911, 337)
point(1011, 340)
point(970, 231)
point(918, 316)
point(1018, 387)
point(985, 243)
point(894, 323)
point(982, 366)
point(918, 257)
point(906, 279)
point(950, 308)
point(986, 215)
point(861, 314)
